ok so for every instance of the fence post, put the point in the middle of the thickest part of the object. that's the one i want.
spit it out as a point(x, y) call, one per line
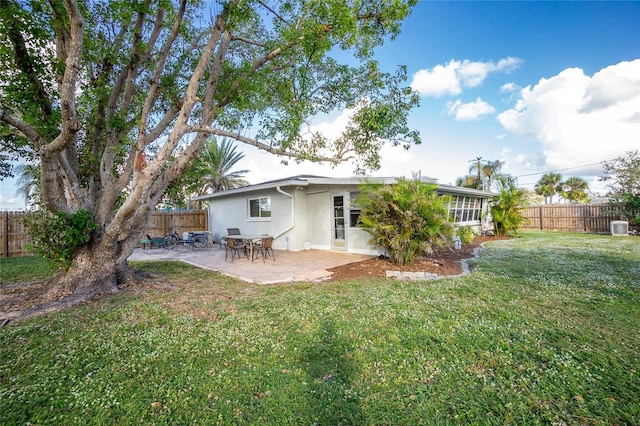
point(541, 227)
point(5, 244)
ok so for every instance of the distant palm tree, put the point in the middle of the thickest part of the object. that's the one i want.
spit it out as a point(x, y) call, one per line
point(468, 181)
point(575, 190)
point(477, 166)
point(28, 182)
point(548, 186)
point(215, 163)
point(490, 170)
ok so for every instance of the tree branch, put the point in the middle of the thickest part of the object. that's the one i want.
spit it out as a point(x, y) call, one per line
point(270, 9)
point(265, 147)
point(155, 84)
point(25, 129)
point(24, 61)
point(246, 40)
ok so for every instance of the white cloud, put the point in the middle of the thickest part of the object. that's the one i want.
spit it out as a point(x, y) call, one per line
point(508, 87)
point(449, 79)
point(11, 203)
point(578, 119)
point(469, 111)
point(264, 166)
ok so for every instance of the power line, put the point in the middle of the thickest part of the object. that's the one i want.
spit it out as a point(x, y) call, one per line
point(562, 170)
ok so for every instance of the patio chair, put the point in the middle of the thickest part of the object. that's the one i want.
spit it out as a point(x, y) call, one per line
point(234, 248)
point(266, 249)
point(234, 231)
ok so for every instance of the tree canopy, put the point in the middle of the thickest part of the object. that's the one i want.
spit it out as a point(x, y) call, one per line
point(622, 175)
point(114, 99)
point(549, 185)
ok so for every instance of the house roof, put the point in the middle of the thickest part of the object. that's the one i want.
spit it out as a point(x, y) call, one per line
point(306, 180)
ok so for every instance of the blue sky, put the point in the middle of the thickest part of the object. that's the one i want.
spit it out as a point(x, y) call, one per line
point(542, 86)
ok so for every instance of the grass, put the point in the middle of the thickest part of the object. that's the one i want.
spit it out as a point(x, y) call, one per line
point(544, 331)
point(25, 269)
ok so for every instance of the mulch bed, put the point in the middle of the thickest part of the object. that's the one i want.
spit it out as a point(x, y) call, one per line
point(444, 261)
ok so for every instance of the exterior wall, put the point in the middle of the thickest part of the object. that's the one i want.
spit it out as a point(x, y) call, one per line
point(304, 221)
point(232, 212)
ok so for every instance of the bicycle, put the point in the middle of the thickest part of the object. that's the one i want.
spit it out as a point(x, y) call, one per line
point(196, 239)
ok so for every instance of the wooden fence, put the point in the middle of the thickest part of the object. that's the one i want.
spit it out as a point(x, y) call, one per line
point(13, 236)
point(572, 217)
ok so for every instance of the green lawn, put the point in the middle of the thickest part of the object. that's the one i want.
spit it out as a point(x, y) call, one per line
point(546, 330)
point(25, 269)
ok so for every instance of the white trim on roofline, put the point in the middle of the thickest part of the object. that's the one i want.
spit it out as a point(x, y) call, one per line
point(306, 180)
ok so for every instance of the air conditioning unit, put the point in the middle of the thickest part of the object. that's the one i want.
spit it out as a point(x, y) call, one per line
point(619, 228)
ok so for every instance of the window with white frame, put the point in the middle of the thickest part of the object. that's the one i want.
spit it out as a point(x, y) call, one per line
point(465, 208)
point(260, 208)
point(354, 210)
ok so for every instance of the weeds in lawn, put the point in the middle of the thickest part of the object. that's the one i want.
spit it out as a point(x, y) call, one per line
point(544, 331)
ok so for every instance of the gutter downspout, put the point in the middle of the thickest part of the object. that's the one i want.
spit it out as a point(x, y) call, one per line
point(293, 214)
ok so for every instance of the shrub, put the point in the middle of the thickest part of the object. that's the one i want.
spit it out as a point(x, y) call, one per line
point(406, 219)
point(466, 234)
point(57, 236)
point(506, 208)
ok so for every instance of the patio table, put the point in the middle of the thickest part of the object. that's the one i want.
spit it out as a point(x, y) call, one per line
point(249, 239)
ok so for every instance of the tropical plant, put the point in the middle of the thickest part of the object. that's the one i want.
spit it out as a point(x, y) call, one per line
point(476, 166)
point(406, 219)
point(575, 190)
point(490, 170)
point(507, 206)
point(466, 234)
point(58, 236)
point(468, 181)
point(623, 177)
point(117, 98)
point(28, 182)
point(548, 186)
point(210, 172)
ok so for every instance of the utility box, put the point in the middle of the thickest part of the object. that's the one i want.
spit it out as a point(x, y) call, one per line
point(620, 228)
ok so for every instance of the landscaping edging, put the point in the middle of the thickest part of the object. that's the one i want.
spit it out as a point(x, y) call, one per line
point(421, 275)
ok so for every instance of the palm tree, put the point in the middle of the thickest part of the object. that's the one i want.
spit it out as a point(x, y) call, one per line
point(28, 182)
point(490, 170)
point(208, 173)
point(215, 162)
point(477, 166)
point(468, 181)
point(548, 186)
point(575, 190)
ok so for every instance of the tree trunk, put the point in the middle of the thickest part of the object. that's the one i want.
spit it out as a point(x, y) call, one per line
point(95, 271)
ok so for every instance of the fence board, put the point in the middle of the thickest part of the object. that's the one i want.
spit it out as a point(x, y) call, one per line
point(13, 236)
point(572, 217)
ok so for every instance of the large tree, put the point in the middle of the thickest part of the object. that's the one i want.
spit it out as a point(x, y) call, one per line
point(116, 98)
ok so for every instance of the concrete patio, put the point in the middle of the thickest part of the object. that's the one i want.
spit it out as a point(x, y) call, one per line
point(289, 266)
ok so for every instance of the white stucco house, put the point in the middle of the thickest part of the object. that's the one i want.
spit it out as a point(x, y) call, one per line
point(304, 212)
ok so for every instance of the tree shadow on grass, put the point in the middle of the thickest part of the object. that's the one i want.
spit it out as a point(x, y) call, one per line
point(331, 371)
